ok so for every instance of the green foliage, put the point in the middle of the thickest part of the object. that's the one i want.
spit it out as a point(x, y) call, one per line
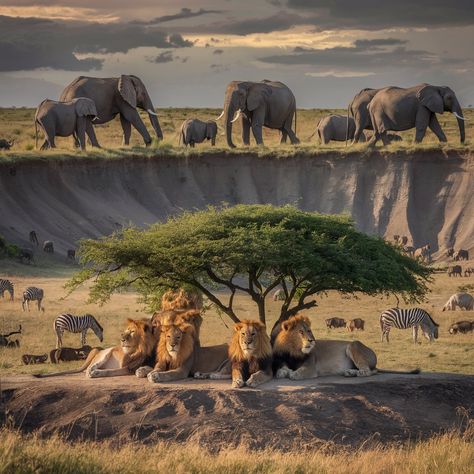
point(8, 250)
point(254, 249)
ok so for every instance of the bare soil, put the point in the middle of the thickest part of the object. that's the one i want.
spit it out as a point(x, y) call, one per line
point(281, 415)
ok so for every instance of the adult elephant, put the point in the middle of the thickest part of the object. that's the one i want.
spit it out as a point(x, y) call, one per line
point(394, 108)
point(260, 104)
point(358, 110)
point(116, 95)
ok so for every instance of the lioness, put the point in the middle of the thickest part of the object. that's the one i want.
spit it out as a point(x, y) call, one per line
point(179, 355)
point(137, 344)
point(297, 355)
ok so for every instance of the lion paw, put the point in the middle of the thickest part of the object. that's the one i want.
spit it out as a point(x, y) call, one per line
point(294, 375)
point(283, 373)
point(201, 376)
point(142, 372)
point(252, 383)
point(351, 373)
point(154, 376)
point(93, 373)
point(237, 383)
point(364, 373)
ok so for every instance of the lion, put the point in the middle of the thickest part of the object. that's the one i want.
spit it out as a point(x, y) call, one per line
point(297, 355)
point(250, 355)
point(179, 355)
point(181, 300)
point(137, 345)
point(172, 316)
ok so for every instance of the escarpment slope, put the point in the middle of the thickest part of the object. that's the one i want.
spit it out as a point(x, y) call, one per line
point(428, 196)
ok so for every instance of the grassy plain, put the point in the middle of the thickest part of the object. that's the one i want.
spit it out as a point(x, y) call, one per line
point(447, 354)
point(449, 453)
point(18, 124)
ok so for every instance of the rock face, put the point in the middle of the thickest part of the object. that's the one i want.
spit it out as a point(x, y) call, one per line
point(427, 196)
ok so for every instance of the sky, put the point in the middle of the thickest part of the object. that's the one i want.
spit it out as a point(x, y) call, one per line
point(187, 52)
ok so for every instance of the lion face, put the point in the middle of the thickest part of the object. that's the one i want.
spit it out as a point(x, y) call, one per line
point(298, 329)
point(173, 336)
point(250, 340)
point(136, 335)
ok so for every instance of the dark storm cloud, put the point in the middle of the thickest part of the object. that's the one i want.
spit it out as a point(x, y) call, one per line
point(364, 54)
point(184, 14)
point(31, 43)
point(166, 57)
point(370, 14)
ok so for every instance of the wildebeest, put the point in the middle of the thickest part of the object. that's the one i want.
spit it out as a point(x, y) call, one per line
point(29, 359)
point(461, 326)
point(424, 253)
point(461, 254)
point(459, 300)
point(34, 238)
point(335, 323)
point(455, 270)
point(450, 252)
point(26, 255)
point(48, 246)
point(71, 254)
point(356, 323)
point(468, 271)
point(5, 340)
point(66, 354)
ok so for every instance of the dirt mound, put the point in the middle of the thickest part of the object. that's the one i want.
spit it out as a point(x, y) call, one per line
point(428, 196)
point(384, 408)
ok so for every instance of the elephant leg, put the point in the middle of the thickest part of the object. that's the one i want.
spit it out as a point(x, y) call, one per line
point(127, 130)
point(45, 145)
point(81, 132)
point(91, 134)
point(287, 127)
point(284, 136)
point(213, 141)
point(132, 116)
point(258, 120)
point(245, 130)
point(384, 138)
point(435, 127)
point(373, 141)
point(191, 144)
point(421, 124)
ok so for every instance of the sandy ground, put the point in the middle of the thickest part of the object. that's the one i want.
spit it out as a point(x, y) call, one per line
point(428, 197)
point(282, 414)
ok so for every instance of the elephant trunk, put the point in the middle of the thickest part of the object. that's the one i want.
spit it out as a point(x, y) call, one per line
point(460, 118)
point(148, 106)
point(229, 115)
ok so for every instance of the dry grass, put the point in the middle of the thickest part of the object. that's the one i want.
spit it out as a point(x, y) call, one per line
point(447, 354)
point(18, 124)
point(449, 453)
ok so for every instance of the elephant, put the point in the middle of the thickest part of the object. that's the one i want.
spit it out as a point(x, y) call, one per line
point(358, 110)
point(260, 104)
point(196, 131)
point(64, 119)
point(116, 95)
point(334, 127)
point(394, 108)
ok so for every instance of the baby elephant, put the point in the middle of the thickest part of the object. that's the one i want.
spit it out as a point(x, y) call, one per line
point(334, 127)
point(64, 119)
point(196, 131)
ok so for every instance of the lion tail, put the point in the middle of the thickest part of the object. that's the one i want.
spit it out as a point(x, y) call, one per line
point(84, 366)
point(414, 371)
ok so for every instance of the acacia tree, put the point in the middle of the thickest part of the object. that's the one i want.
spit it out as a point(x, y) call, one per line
point(253, 249)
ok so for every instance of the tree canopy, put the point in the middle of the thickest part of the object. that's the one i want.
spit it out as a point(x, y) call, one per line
point(253, 249)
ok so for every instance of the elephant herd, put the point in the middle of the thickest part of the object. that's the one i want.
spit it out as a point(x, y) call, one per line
point(89, 100)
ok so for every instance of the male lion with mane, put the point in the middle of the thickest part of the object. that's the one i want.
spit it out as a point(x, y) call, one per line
point(297, 355)
point(137, 345)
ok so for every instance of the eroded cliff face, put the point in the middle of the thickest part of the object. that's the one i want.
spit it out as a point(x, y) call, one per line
point(428, 196)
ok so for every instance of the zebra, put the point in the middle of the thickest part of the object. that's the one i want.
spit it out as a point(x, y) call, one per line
point(32, 294)
point(75, 324)
point(406, 318)
point(6, 285)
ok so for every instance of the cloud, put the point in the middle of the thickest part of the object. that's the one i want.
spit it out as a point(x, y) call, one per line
point(218, 51)
point(31, 43)
point(368, 14)
point(166, 57)
point(184, 14)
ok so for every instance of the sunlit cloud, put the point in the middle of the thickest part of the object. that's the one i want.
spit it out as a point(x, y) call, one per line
point(340, 74)
point(59, 13)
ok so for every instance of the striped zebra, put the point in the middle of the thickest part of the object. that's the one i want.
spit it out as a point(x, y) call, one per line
point(75, 324)
point(32, 294)
point(6, 285)
point(408, 318)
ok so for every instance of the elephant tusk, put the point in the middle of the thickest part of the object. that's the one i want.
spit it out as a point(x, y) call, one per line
point(459, 117)
point(236, 116)
point(95, 118)
point(151, 112)
point(220, 116)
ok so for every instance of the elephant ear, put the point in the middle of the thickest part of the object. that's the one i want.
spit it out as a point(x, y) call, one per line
point(257, 95)
point(430, 97)
point(127, 90)
point(85, 107)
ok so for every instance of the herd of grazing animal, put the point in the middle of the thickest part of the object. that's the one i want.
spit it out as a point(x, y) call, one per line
point(88, 101)
point(167, 347)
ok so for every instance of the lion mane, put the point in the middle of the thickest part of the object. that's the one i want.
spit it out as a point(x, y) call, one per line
point(263, 347)
point(165, 361)
point(181, 300)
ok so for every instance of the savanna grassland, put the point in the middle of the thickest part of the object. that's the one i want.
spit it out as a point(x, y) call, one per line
point(18, 124)
point(448, 354)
